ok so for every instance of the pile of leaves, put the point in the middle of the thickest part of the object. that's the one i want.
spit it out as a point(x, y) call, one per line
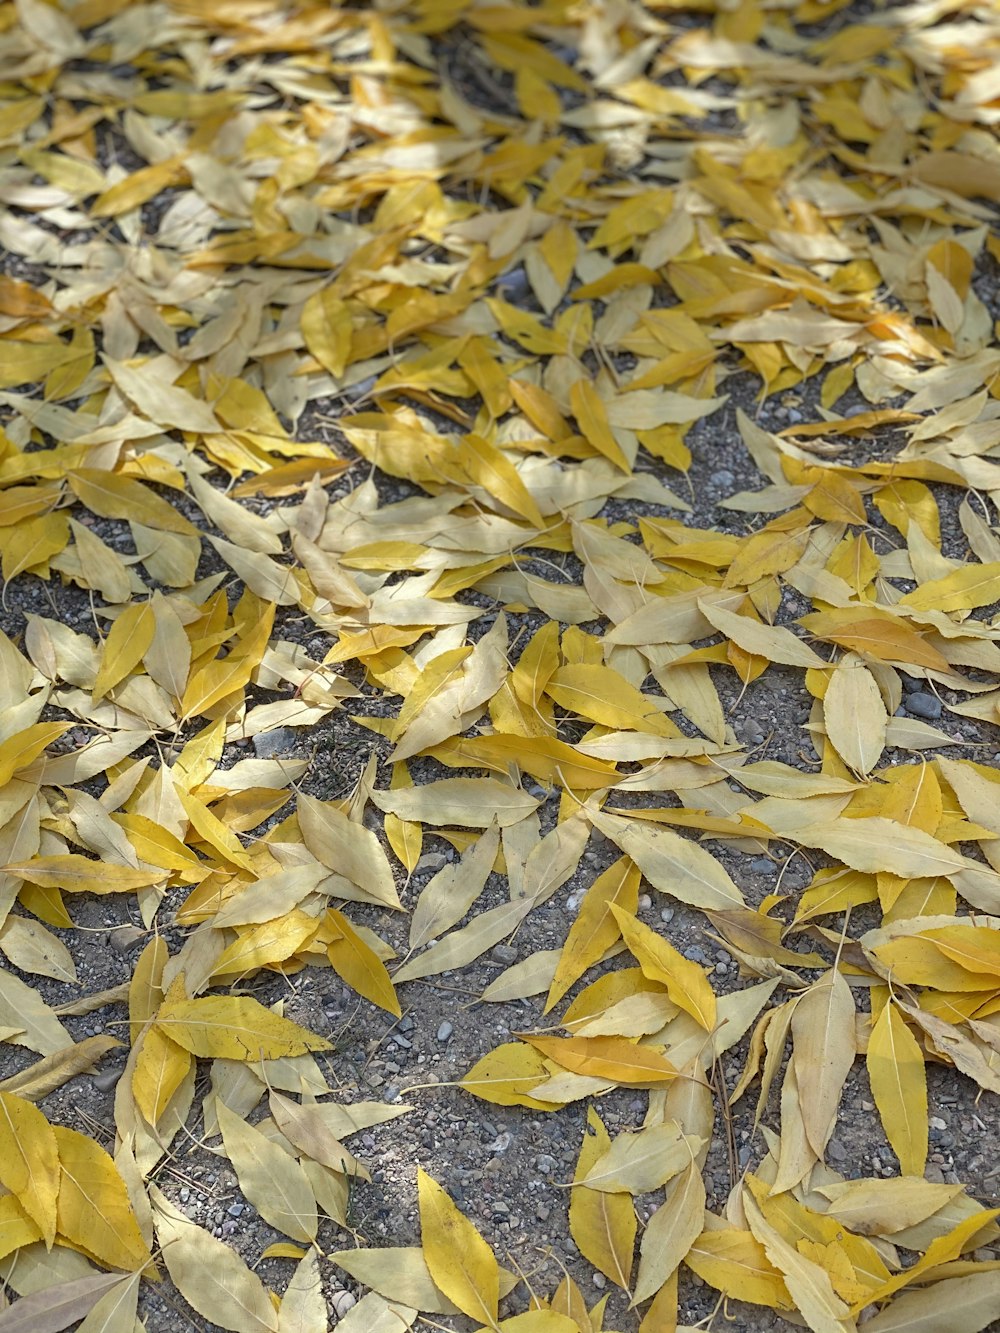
point(391, 321)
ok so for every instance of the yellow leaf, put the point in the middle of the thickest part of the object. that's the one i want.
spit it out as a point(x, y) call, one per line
point(328, 330)
point(271, 1179)
point(825, 1045)
point(603, 1225)
point(671, 863)
point(79, 874)
point(231, 1027)
point(772, 642)
point(161, 1066)
point(459, 1260)
point(267, 944)
point(635, 1163)
point(16, 1228)
point(94, 1211)
point(506, 1076)
point(899, 1086)
point(592, 418)
point(685, 981)
point(138, 187)
point(612, 1058)
point(211, 1276)
point(358, 965)
point(595, 928)
point(603, 695)
point(855, 716)
point(964, 590)
point(672, 1230)
point(21, 749)
point(29, 1161)
point(127, 643)
point(32, 543)
point(111, 495)
point(735, 1263)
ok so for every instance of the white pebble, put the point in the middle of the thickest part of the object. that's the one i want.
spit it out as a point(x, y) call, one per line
point(342, 1302)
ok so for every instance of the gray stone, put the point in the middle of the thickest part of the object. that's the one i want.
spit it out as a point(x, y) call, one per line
point(342, 1302)
point(762, 865)
point(504, 953)
point(721, 479)
point(600, 1281)
point(108, 1080)
point(266, 744)
point(513, 286)
point(235, 1210)
point(545, 1163)
point(924, 705)
point(432, 861)
point(445, 1031)
point(124, 938)
point(666, 914)
point(836, 1151)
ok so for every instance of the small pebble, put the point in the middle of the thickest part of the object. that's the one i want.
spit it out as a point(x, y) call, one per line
point(545, 1163)
point(666, 914)
point(235, 1210)
point(761, 865)
point(504, 953)
point(445, 1031)
point(600, 1280)
point(390, 1093)
point(924, 705)
point(108, 1080)
point(935, 1122)
point(836, 1151)
point(721, 479)
point(432, 861)
point(342, 1302)
point(645, 901)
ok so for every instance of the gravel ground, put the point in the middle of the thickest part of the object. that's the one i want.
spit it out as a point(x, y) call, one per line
point(506, 1167)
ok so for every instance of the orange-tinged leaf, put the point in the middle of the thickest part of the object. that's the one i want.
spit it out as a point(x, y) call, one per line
point(612, 1058)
